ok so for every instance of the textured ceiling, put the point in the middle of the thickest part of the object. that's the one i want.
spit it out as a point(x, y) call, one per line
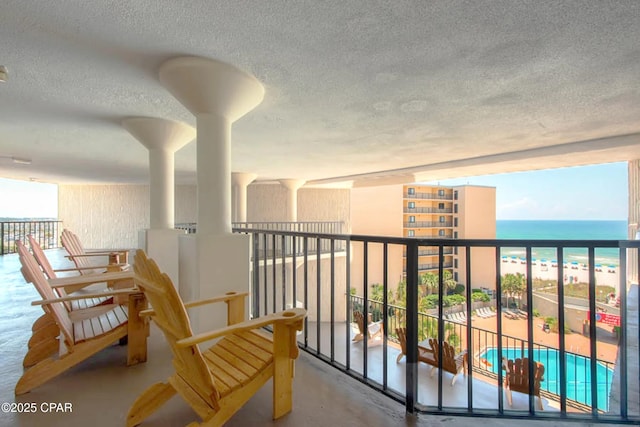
point(372, 91)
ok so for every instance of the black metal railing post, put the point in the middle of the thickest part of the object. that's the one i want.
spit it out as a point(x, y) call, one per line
point(411, 392)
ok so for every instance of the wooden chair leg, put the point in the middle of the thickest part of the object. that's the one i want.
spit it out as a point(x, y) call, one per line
point(284, 335)
point(137, 330)
point(400, 356)
point(148, 402)
point(540, 407)
point(507, 392)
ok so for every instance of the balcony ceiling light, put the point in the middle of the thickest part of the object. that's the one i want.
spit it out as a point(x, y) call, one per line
point(17, 160)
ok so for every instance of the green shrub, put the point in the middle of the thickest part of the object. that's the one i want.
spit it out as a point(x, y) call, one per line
point(480, 296)
point(454, 300)
point(459, 289)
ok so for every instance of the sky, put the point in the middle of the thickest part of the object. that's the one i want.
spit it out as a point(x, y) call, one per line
point(23, 199)
point(597, 192)
point(587, 192)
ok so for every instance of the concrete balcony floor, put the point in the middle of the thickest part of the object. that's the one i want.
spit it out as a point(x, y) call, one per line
point(102, 388)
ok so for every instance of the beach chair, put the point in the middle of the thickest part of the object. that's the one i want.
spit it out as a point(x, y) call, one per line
point(424, 354)
point(463, 317)
point(373, 330)
point(51, 273)
point(45, 331)
point(452, 362)
point(117, 258)
point(83, 336)
point(517, 378)
point(217, 382)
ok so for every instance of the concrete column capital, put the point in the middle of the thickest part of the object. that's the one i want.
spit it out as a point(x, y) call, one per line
point(292, 184)
point(159, 134)
point(242, 178)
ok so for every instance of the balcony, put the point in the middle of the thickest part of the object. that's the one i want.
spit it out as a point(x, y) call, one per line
point(321, 284)
point(427, 224)
point(433, 196)
point(428, 210)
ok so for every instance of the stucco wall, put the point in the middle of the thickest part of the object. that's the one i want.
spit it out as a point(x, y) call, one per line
point(110, 216)
point(107, 216)
point(268, 202)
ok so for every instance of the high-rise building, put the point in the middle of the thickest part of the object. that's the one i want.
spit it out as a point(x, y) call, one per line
point(427, 211)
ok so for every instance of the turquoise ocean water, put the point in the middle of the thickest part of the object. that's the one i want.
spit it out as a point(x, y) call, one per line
point(563, 230)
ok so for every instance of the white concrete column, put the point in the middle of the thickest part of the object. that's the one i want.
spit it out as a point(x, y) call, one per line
point(214, 174)
point(240, 182)
point(163, 138)
point(217, 94)
point(213, 261)
point(292, 186)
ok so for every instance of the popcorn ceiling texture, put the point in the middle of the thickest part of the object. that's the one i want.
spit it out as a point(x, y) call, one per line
point(450, 88)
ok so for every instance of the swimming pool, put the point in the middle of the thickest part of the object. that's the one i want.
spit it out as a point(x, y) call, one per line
point(578, 373)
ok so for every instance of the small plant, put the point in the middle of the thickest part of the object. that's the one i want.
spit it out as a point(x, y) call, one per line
point(536, 313)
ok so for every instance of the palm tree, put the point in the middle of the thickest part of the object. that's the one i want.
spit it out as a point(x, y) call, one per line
point(428, 283)
point(514, 285)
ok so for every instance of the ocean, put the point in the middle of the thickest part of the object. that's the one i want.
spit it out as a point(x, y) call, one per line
point(563, 230)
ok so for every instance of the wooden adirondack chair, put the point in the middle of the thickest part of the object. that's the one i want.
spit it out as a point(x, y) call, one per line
point(44, 339)
point(48, 270)
point(451, 362)
point(517, 378)
point(217, 382)
point(424, 354)
point(81, 257)
point(83, 336)
point(373, 330)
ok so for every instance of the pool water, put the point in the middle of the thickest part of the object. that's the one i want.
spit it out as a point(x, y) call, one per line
point(578, 373)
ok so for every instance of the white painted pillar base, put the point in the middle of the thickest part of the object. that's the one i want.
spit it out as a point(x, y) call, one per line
point(162, 246)
point(211, 265)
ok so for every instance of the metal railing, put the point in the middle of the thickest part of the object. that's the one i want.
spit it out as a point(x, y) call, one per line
point(418, 224)
point(486, 363)
point(279, 247)
point(46, 232)
point(428, 210)
point(320, 282)
point(434, 196)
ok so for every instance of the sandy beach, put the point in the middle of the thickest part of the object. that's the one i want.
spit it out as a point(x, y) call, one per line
point(571, 272)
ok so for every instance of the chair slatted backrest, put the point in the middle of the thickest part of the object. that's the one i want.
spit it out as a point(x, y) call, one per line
point(359, 319)
point(402, 337)
point(72, 244)
point(46, 267)
point(171, 316)
point(32, 273)
point(517, 377)
point(448, 355)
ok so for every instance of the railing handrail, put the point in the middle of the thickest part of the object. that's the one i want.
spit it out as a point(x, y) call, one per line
point(45, 231)
point(281, 281)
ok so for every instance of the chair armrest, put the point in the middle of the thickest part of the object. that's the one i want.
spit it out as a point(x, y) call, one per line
point(89, 255)
point(107, 251)
point(229, 296)
point(64, 282)
point(96, 267)
point(128, 291)
point(291, 316)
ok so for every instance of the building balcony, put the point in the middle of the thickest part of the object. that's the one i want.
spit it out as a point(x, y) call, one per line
point(433, 196)
point(428, 210)
point(428, 224)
